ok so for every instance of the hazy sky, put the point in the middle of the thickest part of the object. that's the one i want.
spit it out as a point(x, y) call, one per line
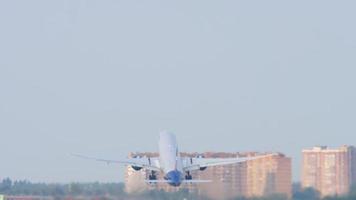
point(103, 78)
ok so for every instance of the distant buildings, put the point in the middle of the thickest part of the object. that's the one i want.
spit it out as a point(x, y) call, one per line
point(330, 171)
point(267, 175)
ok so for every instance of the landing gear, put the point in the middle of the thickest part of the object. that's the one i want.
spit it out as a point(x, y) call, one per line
point(152, 176)
point(188, 176)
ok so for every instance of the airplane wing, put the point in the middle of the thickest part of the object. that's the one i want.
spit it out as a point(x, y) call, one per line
point(190, 164)
point(144, 162)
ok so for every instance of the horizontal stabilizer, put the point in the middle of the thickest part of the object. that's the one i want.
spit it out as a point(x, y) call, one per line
point(183, 181)
point(157, 181)
point(196, 181)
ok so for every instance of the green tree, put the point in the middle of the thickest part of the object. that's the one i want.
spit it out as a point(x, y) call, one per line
point(306, 194)
point(5, 186)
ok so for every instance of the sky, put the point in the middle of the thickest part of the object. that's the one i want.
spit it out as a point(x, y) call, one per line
point(103, 78)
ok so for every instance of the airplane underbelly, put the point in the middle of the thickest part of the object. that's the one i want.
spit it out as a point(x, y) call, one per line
point(169, 165)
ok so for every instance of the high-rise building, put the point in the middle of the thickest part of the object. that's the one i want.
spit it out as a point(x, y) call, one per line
point(269, 175)
point(330, 171)
point(266, 175)
point(353, 164)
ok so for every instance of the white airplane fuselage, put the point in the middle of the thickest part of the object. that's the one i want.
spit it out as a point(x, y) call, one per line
point(170, 160)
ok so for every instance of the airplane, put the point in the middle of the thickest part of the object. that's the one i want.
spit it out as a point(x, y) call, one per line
point(176, 169)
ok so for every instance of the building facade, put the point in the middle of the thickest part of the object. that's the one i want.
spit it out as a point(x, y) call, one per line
point(267, 175)
point(330, 171)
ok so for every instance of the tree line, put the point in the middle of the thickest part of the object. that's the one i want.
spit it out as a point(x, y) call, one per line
point(117, 191)
point(9, 187)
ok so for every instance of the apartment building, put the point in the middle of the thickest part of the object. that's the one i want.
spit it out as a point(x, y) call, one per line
point(330, 171)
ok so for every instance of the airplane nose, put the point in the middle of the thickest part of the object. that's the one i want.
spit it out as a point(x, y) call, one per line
point(174, 177)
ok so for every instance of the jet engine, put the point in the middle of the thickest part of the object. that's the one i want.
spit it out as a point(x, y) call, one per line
point(201, 168)
point(136, 168)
